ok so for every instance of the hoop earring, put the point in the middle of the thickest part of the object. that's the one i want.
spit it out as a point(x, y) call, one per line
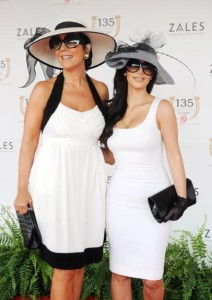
point(86, 56)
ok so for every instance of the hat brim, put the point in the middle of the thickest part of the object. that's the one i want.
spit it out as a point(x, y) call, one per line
point(101, 45)
point(118, 60)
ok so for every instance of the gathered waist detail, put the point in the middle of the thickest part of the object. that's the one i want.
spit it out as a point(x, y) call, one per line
point(68, 140)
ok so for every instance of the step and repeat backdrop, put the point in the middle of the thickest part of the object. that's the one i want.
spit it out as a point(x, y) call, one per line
point(185, 26)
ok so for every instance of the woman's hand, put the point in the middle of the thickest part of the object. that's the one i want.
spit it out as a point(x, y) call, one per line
point(32, 124)
point(108, 156)
point(177, 210)
point(22, 201)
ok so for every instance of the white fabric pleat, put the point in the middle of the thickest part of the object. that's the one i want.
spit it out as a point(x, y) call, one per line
point(68, 181)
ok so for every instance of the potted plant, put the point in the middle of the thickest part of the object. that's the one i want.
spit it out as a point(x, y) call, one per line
point(22, 271)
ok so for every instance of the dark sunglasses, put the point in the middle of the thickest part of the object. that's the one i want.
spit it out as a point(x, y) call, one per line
point(55, 42)
point(133, 65)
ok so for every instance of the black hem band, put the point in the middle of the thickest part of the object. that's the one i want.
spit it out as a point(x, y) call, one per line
point(71, 261)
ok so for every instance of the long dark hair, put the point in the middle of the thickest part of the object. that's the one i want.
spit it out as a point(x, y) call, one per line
point(117, 106)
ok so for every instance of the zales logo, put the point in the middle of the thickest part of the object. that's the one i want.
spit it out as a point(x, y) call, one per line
point(25, 32)
point(194, 27)
point(4, 68)
point(185, 108)
point(208, 234)
point(6, 146)
point(108, 25)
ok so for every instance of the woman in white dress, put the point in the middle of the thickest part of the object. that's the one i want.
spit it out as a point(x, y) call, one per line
point(138, 126)
point(64, 178)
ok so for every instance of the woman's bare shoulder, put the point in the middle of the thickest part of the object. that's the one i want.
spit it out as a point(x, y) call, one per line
point(44, 86)
point(165, 105)
point(165, 112)
point(102, 89)
point(42, 91)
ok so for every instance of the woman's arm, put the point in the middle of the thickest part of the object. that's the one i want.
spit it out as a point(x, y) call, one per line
point(31, 134)
point(167, 123)
point(108, 156)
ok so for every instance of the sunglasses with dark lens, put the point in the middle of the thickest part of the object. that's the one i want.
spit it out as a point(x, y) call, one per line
point(133, 65)
point(55, 43)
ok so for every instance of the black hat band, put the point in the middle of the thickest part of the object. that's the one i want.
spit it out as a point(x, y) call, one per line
point(68, 25)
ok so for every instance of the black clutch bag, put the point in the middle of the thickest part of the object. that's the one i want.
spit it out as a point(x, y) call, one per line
point(29, 229)
point(161, 202)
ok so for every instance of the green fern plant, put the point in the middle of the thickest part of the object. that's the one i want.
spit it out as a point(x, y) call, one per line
point(188, 267)
point(187, 274)
point(137, 289)
point(22, 271)
point(97, 278)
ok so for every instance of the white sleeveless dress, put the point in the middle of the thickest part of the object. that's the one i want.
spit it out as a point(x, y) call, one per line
point(137, 241)
point(67, 184)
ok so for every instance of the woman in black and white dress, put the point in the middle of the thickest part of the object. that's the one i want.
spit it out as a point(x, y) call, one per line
point(64, 178)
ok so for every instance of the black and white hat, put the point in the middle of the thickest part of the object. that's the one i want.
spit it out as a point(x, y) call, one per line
point(102, 43)
point(118, 59)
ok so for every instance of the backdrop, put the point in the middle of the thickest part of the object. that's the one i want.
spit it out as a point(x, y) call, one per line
point(186, 26)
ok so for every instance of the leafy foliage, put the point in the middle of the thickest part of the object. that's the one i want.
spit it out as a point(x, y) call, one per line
point(188, 267)
point(187, 274)
point(22, 271)
point(97, 278)
point(137, 289)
